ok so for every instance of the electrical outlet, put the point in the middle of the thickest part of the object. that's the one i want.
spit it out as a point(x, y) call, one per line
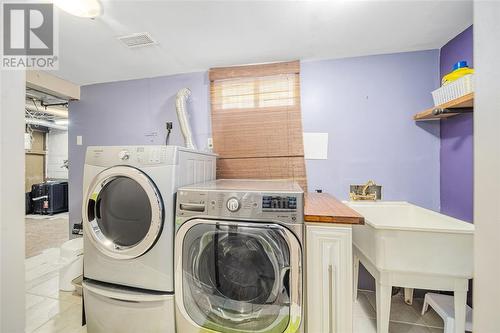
point(79, 140)
point(210, 143)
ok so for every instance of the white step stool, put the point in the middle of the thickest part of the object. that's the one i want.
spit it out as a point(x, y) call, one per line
point(445, 308)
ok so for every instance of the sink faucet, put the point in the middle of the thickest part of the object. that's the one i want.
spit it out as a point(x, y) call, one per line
point(364, 195)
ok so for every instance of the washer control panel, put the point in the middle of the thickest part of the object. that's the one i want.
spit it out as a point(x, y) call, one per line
point(277, 203)
point(286, 207)
point(233, 204)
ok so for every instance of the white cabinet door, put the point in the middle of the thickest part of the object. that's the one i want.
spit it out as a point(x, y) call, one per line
point(329, 279)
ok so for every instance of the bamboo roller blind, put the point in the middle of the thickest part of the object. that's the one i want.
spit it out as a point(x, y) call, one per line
point(257, 123)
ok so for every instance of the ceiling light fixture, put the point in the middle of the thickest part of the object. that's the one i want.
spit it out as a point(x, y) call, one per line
point(80, 8)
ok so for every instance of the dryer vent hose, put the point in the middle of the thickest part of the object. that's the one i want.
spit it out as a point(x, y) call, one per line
point(180, 105)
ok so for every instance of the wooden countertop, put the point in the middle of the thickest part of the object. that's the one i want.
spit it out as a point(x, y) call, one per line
point(324, 208)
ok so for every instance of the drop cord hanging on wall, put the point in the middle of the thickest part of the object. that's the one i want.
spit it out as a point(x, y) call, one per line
point(169, 126)
point(180, 105)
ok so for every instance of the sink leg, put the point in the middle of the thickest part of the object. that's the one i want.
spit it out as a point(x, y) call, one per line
point(460, 299)
point(383, 307)
point(409, 296)
point(355, 277)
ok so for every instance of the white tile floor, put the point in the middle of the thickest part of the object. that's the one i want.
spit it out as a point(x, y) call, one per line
point(49, 311)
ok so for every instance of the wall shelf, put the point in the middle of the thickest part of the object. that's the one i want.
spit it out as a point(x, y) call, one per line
point(466, 101)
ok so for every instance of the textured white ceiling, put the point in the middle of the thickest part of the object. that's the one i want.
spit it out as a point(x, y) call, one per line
point(197, 35)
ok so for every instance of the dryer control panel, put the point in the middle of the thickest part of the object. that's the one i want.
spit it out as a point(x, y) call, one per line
point(129, 155)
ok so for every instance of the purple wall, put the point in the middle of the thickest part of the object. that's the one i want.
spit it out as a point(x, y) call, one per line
point(457, 158)
point(366, 105)
point(131, 113)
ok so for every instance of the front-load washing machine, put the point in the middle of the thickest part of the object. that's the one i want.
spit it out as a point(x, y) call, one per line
point(129, 208)
point(238, 257)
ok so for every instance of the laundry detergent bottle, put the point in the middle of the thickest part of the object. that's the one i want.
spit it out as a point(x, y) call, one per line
point(459, 69)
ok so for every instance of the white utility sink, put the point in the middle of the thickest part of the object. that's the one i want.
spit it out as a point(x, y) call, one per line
point(401, 236)
point(408, 246)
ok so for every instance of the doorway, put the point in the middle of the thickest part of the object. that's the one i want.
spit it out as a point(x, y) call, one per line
point(46, 206)
point(46, 176)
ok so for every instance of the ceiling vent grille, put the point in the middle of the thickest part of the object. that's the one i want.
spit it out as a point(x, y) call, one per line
point(137, 40)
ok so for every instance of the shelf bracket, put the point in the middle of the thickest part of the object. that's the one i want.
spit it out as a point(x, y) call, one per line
point(440, 111)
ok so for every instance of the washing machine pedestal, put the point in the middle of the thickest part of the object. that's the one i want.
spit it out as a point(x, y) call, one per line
point(114, 309)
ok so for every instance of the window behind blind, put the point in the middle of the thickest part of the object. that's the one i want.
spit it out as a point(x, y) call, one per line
point(256, 121)
point(256, 92)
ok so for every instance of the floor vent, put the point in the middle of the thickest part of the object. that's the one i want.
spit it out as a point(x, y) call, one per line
point(137, 40)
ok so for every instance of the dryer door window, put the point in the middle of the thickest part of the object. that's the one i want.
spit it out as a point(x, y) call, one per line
point(124, 212)
point(238, 278)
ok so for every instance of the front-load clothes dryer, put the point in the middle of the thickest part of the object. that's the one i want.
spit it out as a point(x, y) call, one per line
point(129, 208)
point(238, 253)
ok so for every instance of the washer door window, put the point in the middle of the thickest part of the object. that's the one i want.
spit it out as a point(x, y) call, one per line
point(124, 212)
point(238, 278)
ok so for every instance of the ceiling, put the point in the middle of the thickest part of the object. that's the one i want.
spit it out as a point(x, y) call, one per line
point(196, 35)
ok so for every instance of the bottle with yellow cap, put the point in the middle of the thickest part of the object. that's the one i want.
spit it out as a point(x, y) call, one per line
point(460, 69)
